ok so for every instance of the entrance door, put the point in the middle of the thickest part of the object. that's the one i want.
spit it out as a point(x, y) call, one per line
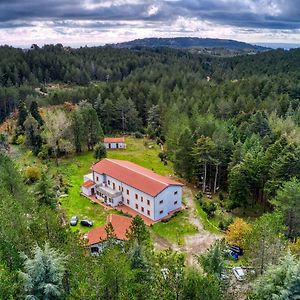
point(92, 191)
point(117, 145)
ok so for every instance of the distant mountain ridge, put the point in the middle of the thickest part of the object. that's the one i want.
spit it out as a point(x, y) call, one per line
point(189, 42)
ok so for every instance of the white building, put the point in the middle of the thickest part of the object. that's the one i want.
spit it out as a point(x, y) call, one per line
point(114, 143)
point(119, 182)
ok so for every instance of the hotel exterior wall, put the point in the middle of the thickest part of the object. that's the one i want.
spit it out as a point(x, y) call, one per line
point(146, 205)
point(171, 200)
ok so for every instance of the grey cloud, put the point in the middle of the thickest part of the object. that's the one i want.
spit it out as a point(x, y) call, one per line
point(65, 13)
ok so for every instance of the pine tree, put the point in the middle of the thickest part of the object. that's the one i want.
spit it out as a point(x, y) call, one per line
point(22, 115)
point(35, 112)
point(44, 191)
point(32, 133)
point(43, 274)
point(138, 232)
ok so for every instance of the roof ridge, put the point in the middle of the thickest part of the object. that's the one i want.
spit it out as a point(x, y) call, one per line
point(164, 183)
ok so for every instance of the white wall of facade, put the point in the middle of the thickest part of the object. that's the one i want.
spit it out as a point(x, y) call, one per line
point(143, 203)
point(114, 145)
point(167, 201)
point(86, 191)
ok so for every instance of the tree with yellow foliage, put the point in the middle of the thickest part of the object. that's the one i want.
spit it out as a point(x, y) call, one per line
point(237, 231)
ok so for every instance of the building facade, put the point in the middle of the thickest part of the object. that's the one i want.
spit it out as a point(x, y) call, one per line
point(117, 182)
point(114, 143)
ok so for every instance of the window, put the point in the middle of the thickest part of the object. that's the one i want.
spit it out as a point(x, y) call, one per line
point(136, 206)
point(114, 185)
point(97, 178)
point(175, 202)
point(122, 189)
point(127, 192)
point(148, 212)
point(148, 202)
point(128, 201)
point(161, 211)
point(161, 201)
point(136, 196)
point(175, 193)
point(142, 208)
point(108, 182)
point(142, 199)
point(119, 188)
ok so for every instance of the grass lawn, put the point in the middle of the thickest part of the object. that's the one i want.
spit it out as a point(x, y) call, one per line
point(145, 156)
point(176, 228)
point(139, 151)
point(74, 168)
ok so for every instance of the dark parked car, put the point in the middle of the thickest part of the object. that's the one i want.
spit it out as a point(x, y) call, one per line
point(74, 221)
point(86, 223)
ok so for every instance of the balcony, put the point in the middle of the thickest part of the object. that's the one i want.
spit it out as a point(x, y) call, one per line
point(106, 191)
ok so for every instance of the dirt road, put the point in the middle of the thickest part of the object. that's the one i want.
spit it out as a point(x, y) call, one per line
point(194, 244)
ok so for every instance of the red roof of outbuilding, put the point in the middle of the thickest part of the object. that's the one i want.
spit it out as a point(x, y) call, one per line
point(119, 223)
point(136, 176)
point(114, 140)
point(88, 184)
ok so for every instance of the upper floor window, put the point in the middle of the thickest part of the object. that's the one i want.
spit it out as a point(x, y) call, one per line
point(161, 201)
point(136, 206)
point(97, 178)
point(148, 202)
point(161, 212)
point(142, 199)
point(136, 196)
point(127, 192)
point(108, 182)
point(175, 193)
point(114, 185)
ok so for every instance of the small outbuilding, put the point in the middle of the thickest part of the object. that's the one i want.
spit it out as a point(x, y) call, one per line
point(97, 237)
point(114, 143)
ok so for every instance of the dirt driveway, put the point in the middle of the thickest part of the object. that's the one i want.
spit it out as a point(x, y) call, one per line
point(194, 244)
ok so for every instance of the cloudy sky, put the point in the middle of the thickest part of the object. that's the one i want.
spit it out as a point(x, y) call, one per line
point(96, 22)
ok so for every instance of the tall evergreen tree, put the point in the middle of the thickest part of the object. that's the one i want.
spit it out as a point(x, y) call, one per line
point(43, 274)
point(34, 111)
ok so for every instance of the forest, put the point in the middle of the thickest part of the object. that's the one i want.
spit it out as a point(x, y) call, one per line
point(230, 127)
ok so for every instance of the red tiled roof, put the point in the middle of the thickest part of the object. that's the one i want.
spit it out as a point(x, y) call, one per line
point(120, 224)
point(89, 183)
point(114, 140)
point(136, 176)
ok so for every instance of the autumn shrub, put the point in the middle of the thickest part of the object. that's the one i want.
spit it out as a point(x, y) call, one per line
point(32, 174)
point(237, 231)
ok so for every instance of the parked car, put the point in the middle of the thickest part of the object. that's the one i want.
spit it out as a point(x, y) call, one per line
point(237, 250)
point(86, 223)
point(74, 221)
point(238, 273)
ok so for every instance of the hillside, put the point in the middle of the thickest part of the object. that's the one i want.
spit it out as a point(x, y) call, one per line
point(190, 42)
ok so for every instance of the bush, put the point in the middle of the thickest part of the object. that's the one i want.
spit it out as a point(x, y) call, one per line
point(20, 139)
point(230, 205)
point(223, 224)
point(163, 156)
point(208, 207)
point(32, 174)
point(138, 135)
point(199, 196)
point(45, 152)
point(100, 151)
point(221, 197)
